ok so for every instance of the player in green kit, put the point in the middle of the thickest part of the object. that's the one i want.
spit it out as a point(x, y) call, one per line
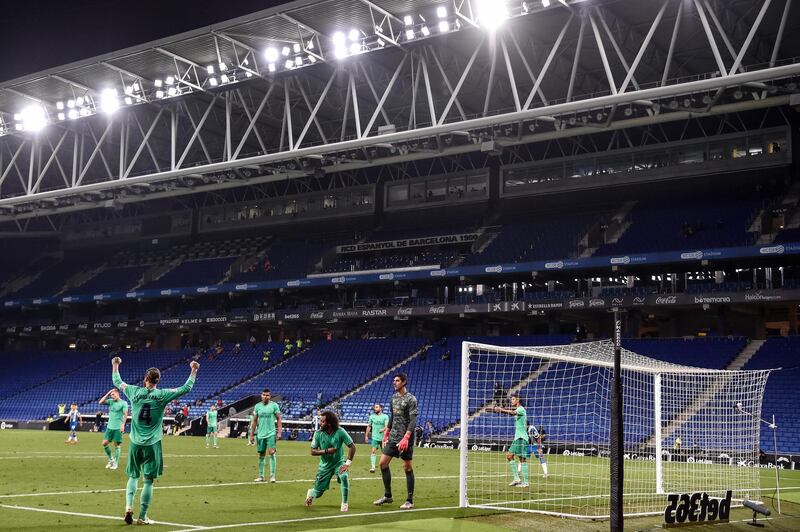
point(327, 444)
point(211, 421)
point(263, 428)
point(376, 426)
point(117, 415)
point(144, 456)
point(519, 447)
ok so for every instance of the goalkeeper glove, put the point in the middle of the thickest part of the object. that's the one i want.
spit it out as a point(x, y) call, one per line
point(403, 445)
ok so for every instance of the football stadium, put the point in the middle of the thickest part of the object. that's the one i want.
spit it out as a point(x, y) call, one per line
point(473, 265)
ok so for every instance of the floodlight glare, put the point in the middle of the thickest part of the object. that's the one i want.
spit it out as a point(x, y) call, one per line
point(158, 83)
point(62, 116)
point(340, 52)
point(222, 66)
point(441, 12)
point(224, 78)
point(109, 101)
point(170, 80)
point(409, 34)
point(271, 67)
point(59, 105)
point(354, 35)
point(492, 13)
point(289, 64)
point(285, 51)
point(72, 114)
point(339, 38)
point(444, 26)
point(271, 55)
point(136, 86)
point(425, 31)
point(172, 91)
point(408, 20)
point(79, 101)
point(210, 69)
point(128, 89)
point(296, 48)
point(545, 3)
point(33, 118)
point(355, 48)
point(312, 59)
point(128, 100)
point(70, 103)
point(248, 74)
point(85, 111)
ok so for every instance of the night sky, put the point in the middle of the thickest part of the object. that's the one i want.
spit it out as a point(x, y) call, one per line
point(41, 34)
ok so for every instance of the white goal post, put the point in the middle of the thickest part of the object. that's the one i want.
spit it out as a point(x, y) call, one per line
point(686, 430)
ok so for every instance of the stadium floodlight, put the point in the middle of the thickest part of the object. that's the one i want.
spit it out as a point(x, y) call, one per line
point(224, 78)
point(545, 3)
point(172, 91)
point(296, 48)
point(170, 80)
point(491, 13)
point(271, 55)
point(408, 20)
point(444, 26)
point(354, 35)
point(425, 30)
point(210, 69)
point(441, 12)
point(158, 83)
point(271, 67)
point(339, 45)
point(70, 104)
point(159, 93)
point(298, 61)
point(310, 44)
point(85, 111)
point(72, 114)
point(286, 51)
point(79, 101)
point(32, 118)
point(128, 100)
point(312, 59)
point(62, 116)
point(222, 66)
point(410, 34)
point(213, 81)
point(248, 74)
point(355, 48)
point(59, 105)
point(109, 101)
point(288, 64)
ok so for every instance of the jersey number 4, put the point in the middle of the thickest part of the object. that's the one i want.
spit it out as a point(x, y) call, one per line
point(144, 414)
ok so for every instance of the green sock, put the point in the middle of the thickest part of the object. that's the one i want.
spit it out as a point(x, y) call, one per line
point(107, 449)
point(116, 454)
point(372, 460)
point(208, 439)
point(345, 479)
point(525, 472)
point(273, 464)
point(261, 463)
point(215, 440)
point(130, 492)
point(147, 497)
point(513, 465)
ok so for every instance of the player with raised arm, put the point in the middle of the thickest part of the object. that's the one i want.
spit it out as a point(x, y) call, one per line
point(536, 437)
point(518, 447)
point(398, 440)
point(376, 425)
point(211, 422)
point(327, 444)
point(144, 456)
point(74, 421)
point(265, 415)
point(117, 415)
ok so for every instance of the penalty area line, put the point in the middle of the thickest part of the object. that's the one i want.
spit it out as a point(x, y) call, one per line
point(94, 516)
point(320, 518)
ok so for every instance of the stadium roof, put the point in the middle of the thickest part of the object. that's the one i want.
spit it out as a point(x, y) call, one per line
point(312, 87)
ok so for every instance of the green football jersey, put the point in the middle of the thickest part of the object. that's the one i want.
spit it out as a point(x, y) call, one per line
point(323, 440)
point(116, 412)
point(521, 424)
point(212, 418)
point(148, 408)
point(266, 418)
point(378, 423)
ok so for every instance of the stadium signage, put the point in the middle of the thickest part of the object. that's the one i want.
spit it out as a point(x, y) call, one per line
point(317, 315)
point(440, 443)
point(597, 303)
point(712, 299)
point(576, 303)
point(666, 300)
point(375, 312)
point(170, 321)
point(619, 260)
point(772, 250)
point(4, 425)
point(405, 311)
point(264, 316)
point(696, 508)
point(293, 316)
point(436, 310)
point(217, 319)
point(697, 255)
point(557, 265)
point(443, 240)
point(761, 296)
point(45, 328)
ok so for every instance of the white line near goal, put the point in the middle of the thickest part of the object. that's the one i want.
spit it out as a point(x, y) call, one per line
point(94, 516)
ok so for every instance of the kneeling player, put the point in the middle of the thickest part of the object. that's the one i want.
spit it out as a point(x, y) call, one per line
point(519, 447)
point(327, 444)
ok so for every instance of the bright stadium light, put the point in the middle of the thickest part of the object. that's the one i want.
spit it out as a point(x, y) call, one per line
point(441, 12)
point(545, 3)
point(158, 83)
point(72, 114)
point(213, 81)
point(444, 26)
point(289, 64)
point(409, 34)
point(210, 69)
point(425, 31)
point(109, 101)
point(79, 101)
point(339, 45)
point(128, 100)
point(32, 118)
point(286, 51)
point(172, 91)
point(271, 67)
point(60, 105)
point(298, 61)
point(355, 48)
point(62, 116)
point(159, 93)
point(271, 55)
point(170, 80)
point(354, 35)
point(222, 66)
point(224, 78)
point(70, 103)
point(492, 13)
point(296, 48)
point(408, 20)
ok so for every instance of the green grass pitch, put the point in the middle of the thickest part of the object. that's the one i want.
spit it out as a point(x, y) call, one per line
point(45, 483)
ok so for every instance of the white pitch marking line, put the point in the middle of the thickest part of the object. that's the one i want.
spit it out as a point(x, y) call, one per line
point(194, 486)
point(320, 518)
point(96, 516)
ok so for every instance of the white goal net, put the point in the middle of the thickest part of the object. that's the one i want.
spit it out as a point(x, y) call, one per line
point(686, 430)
